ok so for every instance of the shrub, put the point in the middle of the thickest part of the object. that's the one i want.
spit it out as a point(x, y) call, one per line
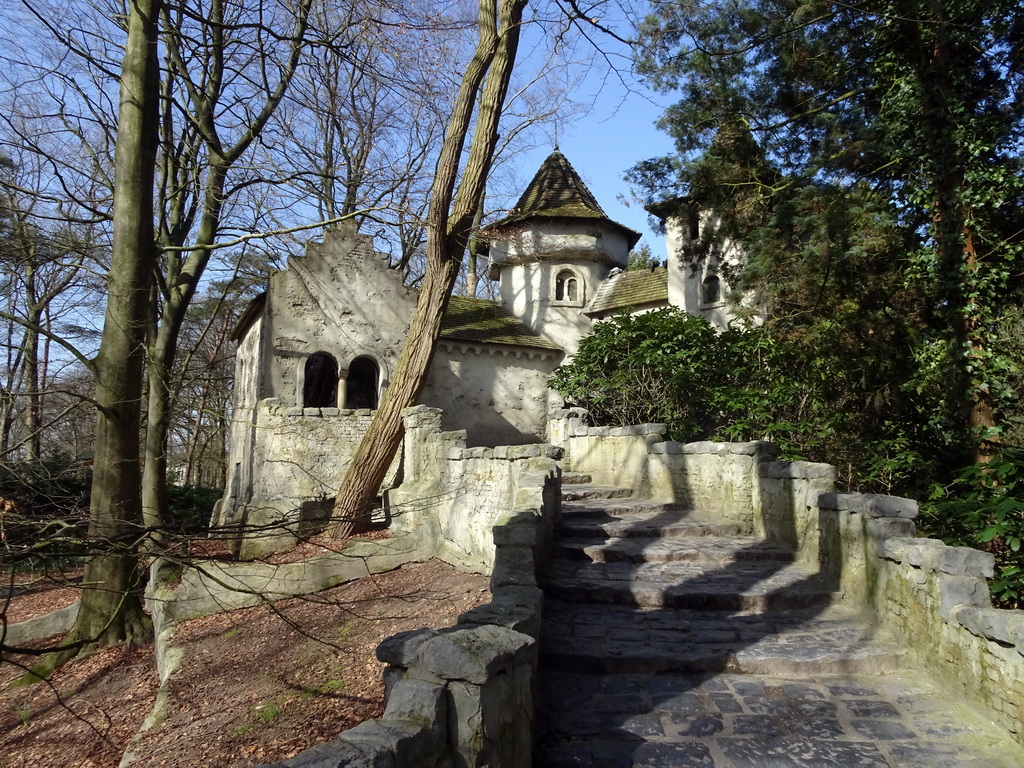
point(672, 368)
point(984, 508)
point(189, 508)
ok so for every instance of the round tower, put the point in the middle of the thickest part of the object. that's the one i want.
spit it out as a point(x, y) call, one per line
point(552, 252)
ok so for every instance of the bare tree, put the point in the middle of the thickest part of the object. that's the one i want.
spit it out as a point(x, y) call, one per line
point(44, 276)
point(110, 611)
point(455, 198)
point(228, 69)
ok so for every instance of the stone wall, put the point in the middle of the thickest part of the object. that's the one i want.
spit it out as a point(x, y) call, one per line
point(498, 393)
point(464, 696)
point(295, 462)
point(719, 476)
point(453, 496)
point(931, 597)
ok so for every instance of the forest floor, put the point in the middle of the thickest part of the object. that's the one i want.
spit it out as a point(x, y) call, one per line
point(257, 685)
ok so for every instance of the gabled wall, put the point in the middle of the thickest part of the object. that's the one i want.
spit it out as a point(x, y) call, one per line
point(288, 459)
point(340, 298)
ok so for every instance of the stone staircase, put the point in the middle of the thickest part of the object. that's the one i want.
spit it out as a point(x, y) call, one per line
point(672, 639)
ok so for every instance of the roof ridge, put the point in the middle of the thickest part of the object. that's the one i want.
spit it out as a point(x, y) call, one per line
point(555, 185)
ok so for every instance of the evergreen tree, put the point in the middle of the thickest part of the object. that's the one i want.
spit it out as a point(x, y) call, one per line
point(867, 155)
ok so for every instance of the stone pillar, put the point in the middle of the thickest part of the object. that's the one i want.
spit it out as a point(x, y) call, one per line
point(565, 423)
point(419, 421)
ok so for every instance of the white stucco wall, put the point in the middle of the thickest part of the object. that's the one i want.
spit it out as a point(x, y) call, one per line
point(528, 292)
point(341, 299)
point(497, 393)
point(304, 456)
point(685, 280)
point(560, 239)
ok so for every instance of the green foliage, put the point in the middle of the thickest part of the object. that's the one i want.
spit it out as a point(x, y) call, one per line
point(801, 391)
point(871, 148)
point(43, 529)
point(867, 156)
point(641, 258)
point(984, 508)
point(189, 508)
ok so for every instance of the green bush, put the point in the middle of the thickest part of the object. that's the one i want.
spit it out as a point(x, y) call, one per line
point(806, 392)
point(189, 508)
point(672, 368)
point(984, 508)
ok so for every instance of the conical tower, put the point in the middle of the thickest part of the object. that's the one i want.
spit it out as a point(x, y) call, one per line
point(553, 250)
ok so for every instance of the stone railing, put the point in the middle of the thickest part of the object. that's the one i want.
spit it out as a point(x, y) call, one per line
point(464, 696)
point(931, 597)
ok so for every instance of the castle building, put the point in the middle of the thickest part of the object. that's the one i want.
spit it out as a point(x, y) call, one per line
point(316, 350)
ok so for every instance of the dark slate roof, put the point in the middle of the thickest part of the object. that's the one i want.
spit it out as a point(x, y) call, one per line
point(558, 192)
point(249, 315)
point(487, 322)
point(630, 289)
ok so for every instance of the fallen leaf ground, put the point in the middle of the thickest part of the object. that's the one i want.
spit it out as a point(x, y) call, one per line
point(257, 685)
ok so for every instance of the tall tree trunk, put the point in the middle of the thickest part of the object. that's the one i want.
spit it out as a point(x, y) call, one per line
point(163, 352)
point(110, 610)
point(33, 379)
point(449, 226)
point(954, 239)
point(184, 273)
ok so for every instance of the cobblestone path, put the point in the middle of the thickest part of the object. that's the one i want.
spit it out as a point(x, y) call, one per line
point(670, 640)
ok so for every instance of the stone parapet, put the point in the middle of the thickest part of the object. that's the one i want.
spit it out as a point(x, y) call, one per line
point(933, 597)
point(465, 695)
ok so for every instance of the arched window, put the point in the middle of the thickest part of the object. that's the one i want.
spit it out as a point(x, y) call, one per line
point(361, 384)
point(567, 288)
point(320, 387)
point(711, 290)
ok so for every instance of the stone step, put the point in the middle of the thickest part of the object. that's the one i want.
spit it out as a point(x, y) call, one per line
point(760, 586)
point(586, 491)
point(618, 507)
point(617, 639)
point(575, 478)
point(667, 524)
point(708, 548)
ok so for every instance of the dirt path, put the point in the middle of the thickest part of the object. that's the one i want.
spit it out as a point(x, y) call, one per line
point(257, 685)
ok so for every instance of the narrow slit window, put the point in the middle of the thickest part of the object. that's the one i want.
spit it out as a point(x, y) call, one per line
point(320, 389)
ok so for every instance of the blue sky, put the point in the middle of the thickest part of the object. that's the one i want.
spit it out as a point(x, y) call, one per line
point(603, 145)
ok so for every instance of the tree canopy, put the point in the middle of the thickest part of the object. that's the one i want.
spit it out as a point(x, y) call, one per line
point(867, 154)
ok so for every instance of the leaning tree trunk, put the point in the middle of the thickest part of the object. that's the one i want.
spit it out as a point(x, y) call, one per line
point(449, 226)
point(110, 610)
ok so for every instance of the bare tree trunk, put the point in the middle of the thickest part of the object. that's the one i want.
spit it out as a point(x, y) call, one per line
point(449, 226)
point(110, 610)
